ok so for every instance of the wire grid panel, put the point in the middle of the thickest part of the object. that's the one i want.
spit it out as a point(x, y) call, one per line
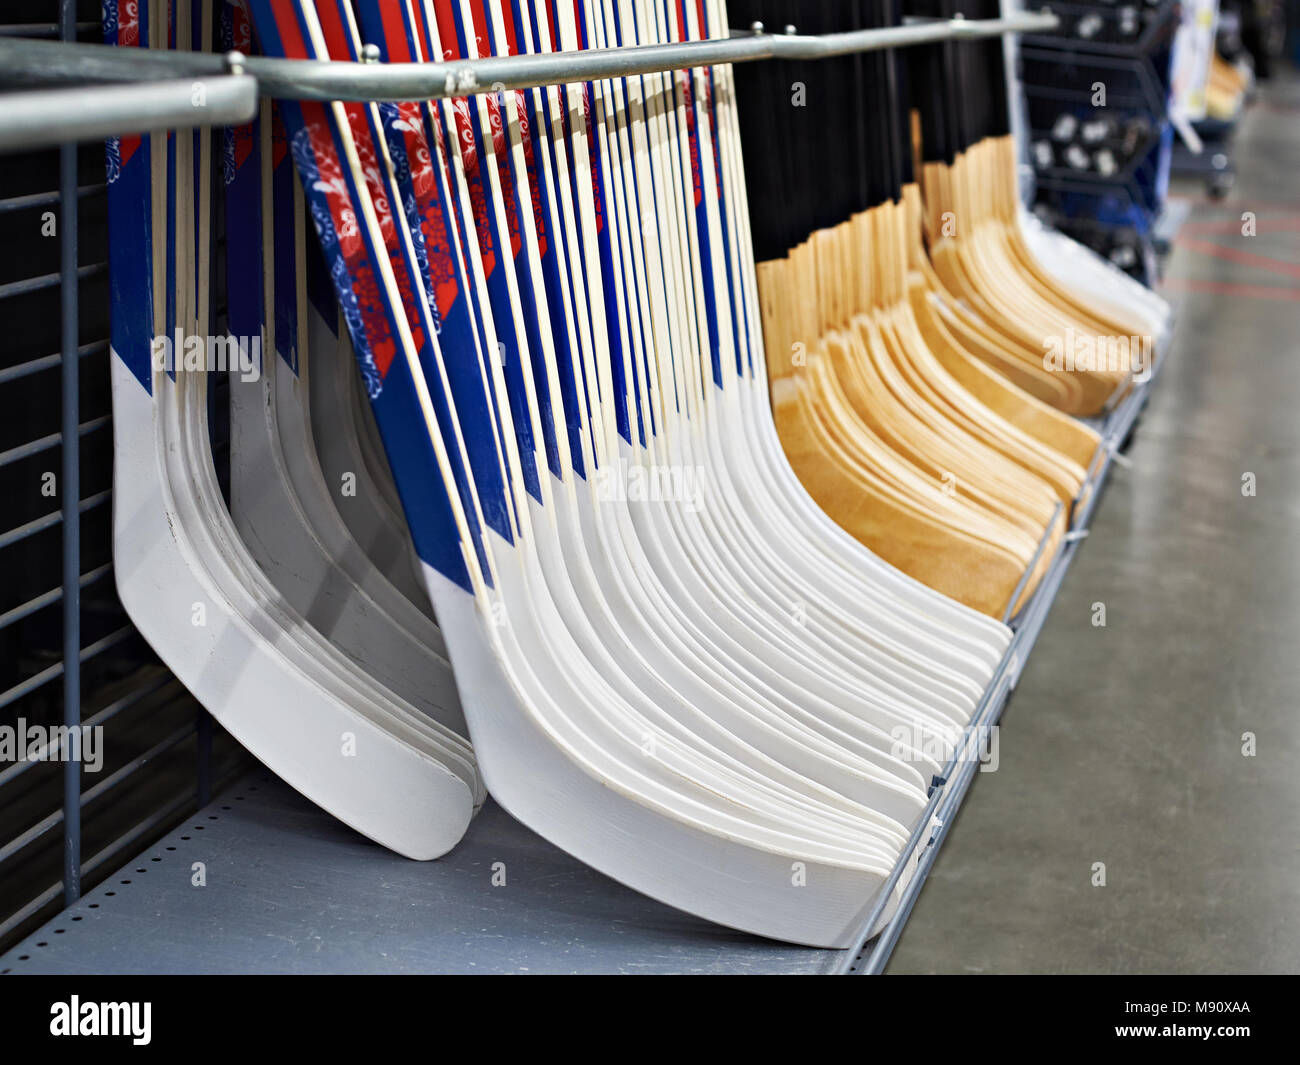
point(145, 746)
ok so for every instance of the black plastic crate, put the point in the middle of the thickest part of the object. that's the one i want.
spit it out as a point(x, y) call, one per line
point(1125, 27)
point(1135, 83)
point(1106, 144)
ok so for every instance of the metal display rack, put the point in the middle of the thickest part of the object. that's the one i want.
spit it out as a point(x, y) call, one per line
point(69, 655)
point(289, 889)
point(284, 886)
point(1108, 191)
point(31, 62)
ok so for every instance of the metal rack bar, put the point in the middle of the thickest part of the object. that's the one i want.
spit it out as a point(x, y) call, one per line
point(52, 820)
point(111, 850)
point(43, 29)
point(50, 673)
point(97, 719)
point(1033, 563)
point(35, 284)
point(40, 602)
point(61, 659)
point(45, 199)
point(52, 519)
point(953, 794)
point(57, 116)
point(44, 443)
point(71, 479)
point(48, 63)
point(985, 715)
point(48, 362)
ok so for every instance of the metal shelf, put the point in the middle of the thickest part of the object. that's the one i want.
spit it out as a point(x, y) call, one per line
point(47, 63)
point(291, 890)
point(157, 88)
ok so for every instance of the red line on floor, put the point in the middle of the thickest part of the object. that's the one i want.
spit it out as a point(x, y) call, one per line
point(1227, 288)
point(1204, 204)
point(1263, 223)
point(1240, 257)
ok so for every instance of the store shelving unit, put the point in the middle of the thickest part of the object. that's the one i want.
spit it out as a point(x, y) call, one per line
point(289, 889)
point(69, 655)
point(259, 880)
point(1106, 69)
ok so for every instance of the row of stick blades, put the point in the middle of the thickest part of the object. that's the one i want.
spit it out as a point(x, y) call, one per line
point(908, 325)
point(626, 499)
point(286, 621)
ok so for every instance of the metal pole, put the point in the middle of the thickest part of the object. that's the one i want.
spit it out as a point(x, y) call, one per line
point(46, 63)
point(1029, 569)
point(51, 116)
point(71, 495)
point(203, 725)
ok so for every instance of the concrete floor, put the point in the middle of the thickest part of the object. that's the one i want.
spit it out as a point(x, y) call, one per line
point(1123, 744)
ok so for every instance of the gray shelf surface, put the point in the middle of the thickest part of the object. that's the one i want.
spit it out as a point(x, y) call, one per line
point(291, 890)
